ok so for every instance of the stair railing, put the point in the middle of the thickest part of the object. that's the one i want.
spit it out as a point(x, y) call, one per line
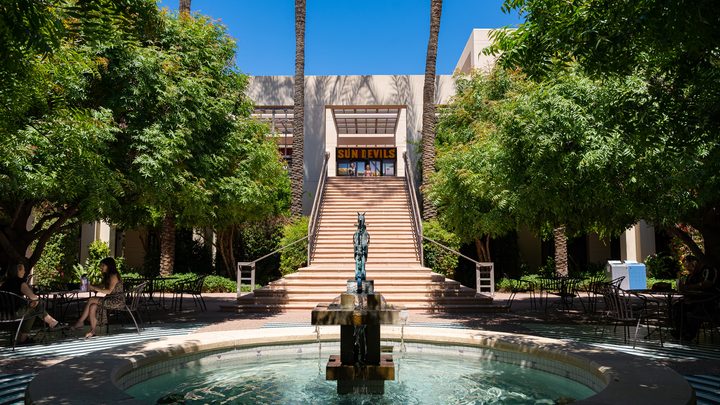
point(316, 208)
point(246, 270)
point(414, 209)
point(484, 271)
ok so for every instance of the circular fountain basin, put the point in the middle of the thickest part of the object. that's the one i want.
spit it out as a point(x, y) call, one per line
point(470, 358)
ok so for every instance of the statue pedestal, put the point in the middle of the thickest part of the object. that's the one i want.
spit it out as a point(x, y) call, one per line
point(360, 367)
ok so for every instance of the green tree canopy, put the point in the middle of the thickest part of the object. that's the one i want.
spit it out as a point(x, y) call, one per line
point(130, 112)
point(667, 52)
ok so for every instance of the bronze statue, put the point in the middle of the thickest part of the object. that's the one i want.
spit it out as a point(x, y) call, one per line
point(361, 240)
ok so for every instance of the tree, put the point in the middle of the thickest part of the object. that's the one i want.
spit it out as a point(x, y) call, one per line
point(126, 122)
point(185, 7)
point(428, 126)
point(671, 49)
point(55, 143)
point(463, 189)
point(193, 152)
point(546, 155)
point(297, 169)
point(167, 227)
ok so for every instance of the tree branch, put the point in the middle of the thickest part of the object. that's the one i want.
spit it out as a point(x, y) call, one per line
point(688, 241)
point(39, 225)
point(52, 230)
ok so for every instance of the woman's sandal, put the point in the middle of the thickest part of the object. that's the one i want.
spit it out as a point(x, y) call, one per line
point(60, 326)
point(89, 335)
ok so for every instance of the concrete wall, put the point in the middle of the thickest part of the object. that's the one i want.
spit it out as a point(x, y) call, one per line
point(472, 57)
point(323, 91)
point(638, 242)
point(98, 230)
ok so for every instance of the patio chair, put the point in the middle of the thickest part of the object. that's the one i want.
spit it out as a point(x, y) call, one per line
point(132, 302)
point(563, 287)
point(620, 310)
point(592, 289)
point(10, 304)
point(193, 288)
point(519, 286)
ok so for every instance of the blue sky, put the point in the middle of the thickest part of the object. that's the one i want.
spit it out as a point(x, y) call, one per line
point(347, 37)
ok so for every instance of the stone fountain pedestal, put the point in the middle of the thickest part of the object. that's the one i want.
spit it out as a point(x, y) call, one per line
point(360, 367)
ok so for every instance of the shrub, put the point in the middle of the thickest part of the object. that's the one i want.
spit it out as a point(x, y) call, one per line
point(57, 259)
point(219, 284)
point(97, 250)
point(254, 240)
point(662, 266)
point(295, 256)
point(438, 259)
point(547, 269)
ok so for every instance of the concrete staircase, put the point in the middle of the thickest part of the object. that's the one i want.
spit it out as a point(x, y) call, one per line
point(393, 261)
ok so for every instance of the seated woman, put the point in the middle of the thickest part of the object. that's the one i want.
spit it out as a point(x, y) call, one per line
point(95, 308)
point(16, 284)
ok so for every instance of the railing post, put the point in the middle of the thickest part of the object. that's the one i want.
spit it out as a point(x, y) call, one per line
point(239, 280)
point(315, 212)
point(492, 279)
point(252, 276)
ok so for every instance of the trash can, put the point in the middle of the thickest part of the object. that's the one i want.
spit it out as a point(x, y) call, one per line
point(615, 269)
point(634, 273)
point(637, 276)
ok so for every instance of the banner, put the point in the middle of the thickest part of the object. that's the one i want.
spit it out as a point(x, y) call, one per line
point(366, 153)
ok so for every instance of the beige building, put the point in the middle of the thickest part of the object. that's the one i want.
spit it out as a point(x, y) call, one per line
point(366, 124)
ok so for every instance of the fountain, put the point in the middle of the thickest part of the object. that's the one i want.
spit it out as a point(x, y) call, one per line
point(360, 367)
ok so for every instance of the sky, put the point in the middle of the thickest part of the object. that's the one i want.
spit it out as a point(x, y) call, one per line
point(348, 37)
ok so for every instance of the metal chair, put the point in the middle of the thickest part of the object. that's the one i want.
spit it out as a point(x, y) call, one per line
point(619, 309)
point(519, 286)
point(10, 304)
point(193, 288)
point(132, 302)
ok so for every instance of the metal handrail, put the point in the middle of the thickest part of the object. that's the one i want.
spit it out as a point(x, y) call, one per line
point(414, 208)
point(483, 284)
point(315, 213)
point(252, 265)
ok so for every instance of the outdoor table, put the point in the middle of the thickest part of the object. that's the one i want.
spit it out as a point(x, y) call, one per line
point(564, 287)
point(58, 302)
point(663, 298)
point(159, 285)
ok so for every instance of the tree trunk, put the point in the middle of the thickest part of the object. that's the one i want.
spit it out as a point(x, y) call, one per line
point(297, 171)
point(561, 252)
point(167, 245)
point(428, 116)
point(224, 245)
point(482, 247)
point(185, 7)
point(709, 228)
point(16, 239)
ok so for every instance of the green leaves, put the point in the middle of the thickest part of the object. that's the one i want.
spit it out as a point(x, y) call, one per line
point(125, 113)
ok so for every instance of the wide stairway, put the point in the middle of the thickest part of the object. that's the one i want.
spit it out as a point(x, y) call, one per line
point(393, 261)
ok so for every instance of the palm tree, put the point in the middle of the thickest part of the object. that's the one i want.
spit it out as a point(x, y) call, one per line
point(167, 229)
point(428, 117)
point(561, 251)
point(297, 171)
point(185, 7)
